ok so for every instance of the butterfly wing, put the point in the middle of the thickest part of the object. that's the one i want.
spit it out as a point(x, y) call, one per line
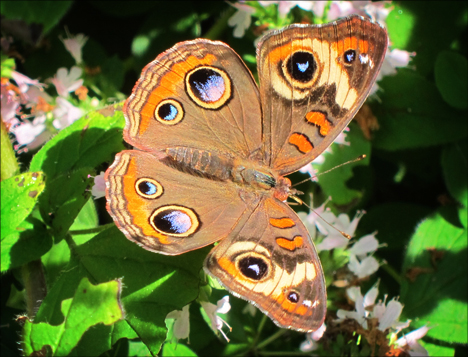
point(170, 211)
point(313, 80)
point(270, 260)
point(198, 94)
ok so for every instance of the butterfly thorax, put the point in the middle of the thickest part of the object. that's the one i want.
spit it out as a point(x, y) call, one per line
point(216, 166)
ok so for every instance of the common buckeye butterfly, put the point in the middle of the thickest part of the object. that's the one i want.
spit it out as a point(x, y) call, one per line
point(211, 150)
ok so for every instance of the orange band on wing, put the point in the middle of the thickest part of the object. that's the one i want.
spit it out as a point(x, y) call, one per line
point(301, 142)
point(291, 307)
point(291, 245)
point(135, 202)
point(282, 222)
point(351, 43)
point(319, 119)
point(168, 86)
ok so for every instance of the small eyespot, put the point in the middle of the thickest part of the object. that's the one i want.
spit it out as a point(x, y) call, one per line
point(253, 267)
point(301, 66)
point(148, 188)
point(209, 87)
point(293, 297)
point(169, 112)
point(349, 56)
point(176, 221)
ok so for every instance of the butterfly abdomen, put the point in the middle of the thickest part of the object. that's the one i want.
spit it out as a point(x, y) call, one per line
point(201, 162)
point(220, 167)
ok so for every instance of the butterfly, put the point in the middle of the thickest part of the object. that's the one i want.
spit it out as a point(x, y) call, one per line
point(212, 149)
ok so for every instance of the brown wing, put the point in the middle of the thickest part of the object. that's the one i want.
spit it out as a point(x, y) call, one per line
point(270, 261)
point(168, 211)
point(198, 94)
point(313, 79)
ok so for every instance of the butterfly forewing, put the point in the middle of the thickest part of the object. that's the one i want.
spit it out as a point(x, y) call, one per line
point(313, 79)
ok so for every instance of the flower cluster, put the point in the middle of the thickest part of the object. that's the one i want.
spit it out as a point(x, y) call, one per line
point(27, 109)
point(368, 314)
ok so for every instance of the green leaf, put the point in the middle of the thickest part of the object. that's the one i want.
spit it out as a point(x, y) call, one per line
point(333, 183)
point(58, 257)
point(68, 160)
point(176, 349)
point(8, 66)
point(438, 294)
point(19, 195)
point(63, 199)
point(451, 76)
point(46, 13)
point(86, 143)
point(454, 165)
point(30, 242)
point(154, 284)
point(414, 115)
point(90, 305)
point(138, 348)
point(436, 350)
point(400, 23)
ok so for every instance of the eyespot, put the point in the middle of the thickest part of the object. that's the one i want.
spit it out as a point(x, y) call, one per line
point(349, 56)
point(209, 87)
point(175, 221)
point(293, 297)
point(301, 67)
point(148, 188)
point(253, 267)
point(169, 112)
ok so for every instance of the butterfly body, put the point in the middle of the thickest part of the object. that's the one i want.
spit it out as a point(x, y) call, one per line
point(212, 149)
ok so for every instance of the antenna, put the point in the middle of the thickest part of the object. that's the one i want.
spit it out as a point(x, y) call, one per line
point(301, 202)
point(333, 168)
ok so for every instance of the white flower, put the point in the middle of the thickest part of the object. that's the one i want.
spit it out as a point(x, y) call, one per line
point(386, 314)
point(367, 266)
point(409, 342)
point(342, 223)
point(181, 326)
point(65, 113)
point(31, 135)
point(310, 344)
point(378, 11)
point(99, 188)
point(360, 314)
point(340, 9)
point(66, 82)
point(9, 105)
point(366, 244)
point(241, 19)
point(222, 307)
point(23, 82)
point(360, 263)
point(74, 45)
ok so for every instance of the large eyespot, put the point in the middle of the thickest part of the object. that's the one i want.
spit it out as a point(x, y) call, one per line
point(349, 57)
point(300, 67)
point(148, 188)
point(169, 112)
point(253, 266)
point(209, 87)
point(175, 221)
